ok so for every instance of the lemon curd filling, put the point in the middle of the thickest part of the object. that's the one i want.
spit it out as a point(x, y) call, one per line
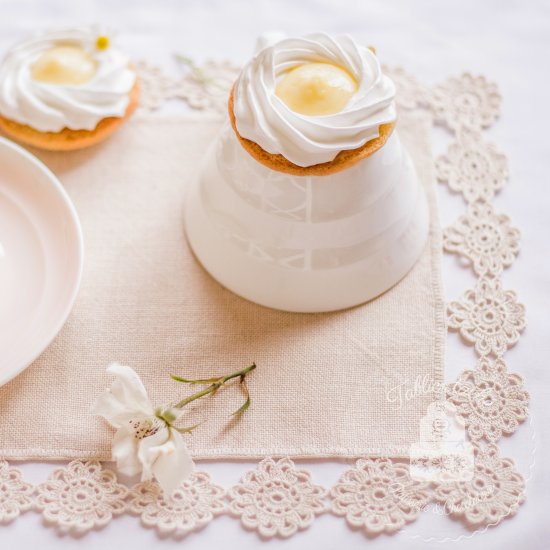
point(64, 65)
point(316, 89)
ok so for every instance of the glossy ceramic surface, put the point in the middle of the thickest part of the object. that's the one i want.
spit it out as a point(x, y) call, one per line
point(309, 244)
point(41, 257)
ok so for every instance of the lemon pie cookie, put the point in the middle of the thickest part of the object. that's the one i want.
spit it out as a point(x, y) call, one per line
point(65, 90)
point(313, 106)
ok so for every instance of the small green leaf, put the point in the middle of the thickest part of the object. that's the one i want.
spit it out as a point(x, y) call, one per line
point(247, 402)
point(197, 71)
point(242, 408)
point(198, 381)
point(185, 59)
point(188, 429)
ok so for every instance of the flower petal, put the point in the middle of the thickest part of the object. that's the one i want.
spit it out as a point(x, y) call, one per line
point(150, 448)
point(124, 451)
point(171, 469)
point(165, 456)
point(126, 398)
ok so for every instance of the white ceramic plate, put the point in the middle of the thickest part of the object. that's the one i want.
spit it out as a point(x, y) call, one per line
point(41, 257)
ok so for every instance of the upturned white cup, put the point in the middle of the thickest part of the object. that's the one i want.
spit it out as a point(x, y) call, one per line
point(306, 243)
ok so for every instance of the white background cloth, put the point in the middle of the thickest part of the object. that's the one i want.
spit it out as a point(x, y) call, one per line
point(509, 41)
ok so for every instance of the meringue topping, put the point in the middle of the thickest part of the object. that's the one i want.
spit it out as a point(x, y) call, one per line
point(61, 79)
point(280, 122)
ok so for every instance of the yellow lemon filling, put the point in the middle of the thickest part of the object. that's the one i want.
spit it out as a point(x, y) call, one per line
point(316, 89)
point(64, 65)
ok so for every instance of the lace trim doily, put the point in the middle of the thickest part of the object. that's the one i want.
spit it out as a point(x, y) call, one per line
point(376, 495)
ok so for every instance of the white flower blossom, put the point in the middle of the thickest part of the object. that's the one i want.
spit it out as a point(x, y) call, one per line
point(144, 442)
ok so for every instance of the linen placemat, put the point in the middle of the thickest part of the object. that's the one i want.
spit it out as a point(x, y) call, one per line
point(339, 384)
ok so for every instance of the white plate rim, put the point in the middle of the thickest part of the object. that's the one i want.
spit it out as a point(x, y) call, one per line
point(50, 334)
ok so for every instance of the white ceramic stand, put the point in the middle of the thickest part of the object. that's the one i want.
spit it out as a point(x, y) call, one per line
point(306, 244)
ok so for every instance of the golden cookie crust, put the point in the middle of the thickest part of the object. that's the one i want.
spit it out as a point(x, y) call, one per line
point(343, 160)
point(66, 139)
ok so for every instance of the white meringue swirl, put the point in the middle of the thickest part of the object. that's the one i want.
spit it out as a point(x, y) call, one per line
point(264, 118)
point(50, 107)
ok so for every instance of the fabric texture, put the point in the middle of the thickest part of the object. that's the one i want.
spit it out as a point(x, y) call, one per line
point(343, 384)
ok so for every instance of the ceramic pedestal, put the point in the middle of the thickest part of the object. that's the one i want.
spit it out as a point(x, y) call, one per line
point(306, 243)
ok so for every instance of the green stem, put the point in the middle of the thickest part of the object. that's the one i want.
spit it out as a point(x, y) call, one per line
point(214, 386)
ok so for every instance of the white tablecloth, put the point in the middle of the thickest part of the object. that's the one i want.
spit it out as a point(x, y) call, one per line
point(509, 42)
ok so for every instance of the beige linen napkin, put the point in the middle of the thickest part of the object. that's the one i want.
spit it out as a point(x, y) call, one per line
point(327, 385)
